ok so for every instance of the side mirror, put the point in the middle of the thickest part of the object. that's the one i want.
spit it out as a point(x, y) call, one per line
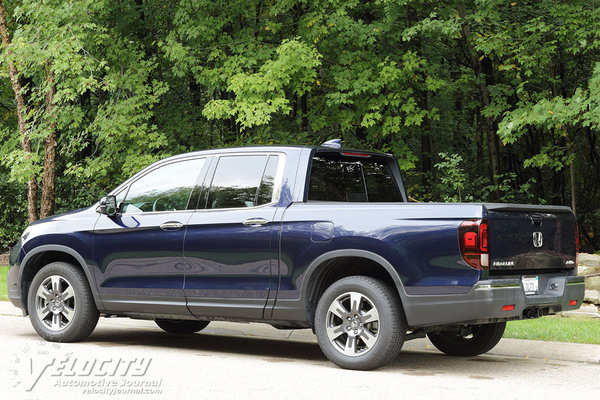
point(108, 206)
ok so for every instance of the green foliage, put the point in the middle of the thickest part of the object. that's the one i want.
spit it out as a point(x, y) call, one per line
point(105, 94)
point(13, 212)
point(510, 189)
point(259, 95)
point(452, 175)
point(138, 80)
point(557, 116)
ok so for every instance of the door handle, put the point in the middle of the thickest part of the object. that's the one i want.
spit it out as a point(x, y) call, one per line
point(255, 222)
point(171, 226)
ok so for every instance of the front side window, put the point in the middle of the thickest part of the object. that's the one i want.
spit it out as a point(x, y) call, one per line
point(243, 181)
point(167, 188)
point(346, 179)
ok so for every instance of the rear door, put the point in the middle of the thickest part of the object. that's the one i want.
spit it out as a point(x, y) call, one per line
point(228, 252)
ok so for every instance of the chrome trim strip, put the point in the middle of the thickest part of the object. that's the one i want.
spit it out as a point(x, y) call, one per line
point(492, 286)
point(277, 184)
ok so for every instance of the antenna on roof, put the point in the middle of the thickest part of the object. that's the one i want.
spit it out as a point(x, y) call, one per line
point(333, 143)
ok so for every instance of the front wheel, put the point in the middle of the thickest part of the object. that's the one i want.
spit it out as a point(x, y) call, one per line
point(360, 323)
point(60, 303)
point(181, 326)
point(468, 341)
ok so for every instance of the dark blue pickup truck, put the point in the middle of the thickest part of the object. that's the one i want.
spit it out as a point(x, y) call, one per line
point(297, 237)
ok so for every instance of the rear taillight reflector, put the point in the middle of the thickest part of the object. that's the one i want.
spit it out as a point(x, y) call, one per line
point(473, 242)
point(509, 307)
point(573, 303)
point(483, 236)
point(485, 260)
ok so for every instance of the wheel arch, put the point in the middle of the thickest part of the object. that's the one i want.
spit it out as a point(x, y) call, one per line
point(338, 264)
point(43, 255)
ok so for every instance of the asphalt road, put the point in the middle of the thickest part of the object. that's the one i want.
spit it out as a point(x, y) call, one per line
point(135, 359)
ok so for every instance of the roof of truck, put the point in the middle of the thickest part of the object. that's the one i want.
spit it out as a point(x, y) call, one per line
point(280, 148)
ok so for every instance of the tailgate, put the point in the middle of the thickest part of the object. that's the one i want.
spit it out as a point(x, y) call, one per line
point(531, 238)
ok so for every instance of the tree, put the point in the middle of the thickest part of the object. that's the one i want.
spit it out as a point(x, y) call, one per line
point(21, 113)
point(72, 95)
point(107, 87)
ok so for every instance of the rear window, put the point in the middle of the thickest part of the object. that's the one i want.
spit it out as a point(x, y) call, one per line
point(348, 179)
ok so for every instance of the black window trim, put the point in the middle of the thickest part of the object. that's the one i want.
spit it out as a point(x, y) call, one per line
point(390, 160)
point(277, 184)
point(200, 179)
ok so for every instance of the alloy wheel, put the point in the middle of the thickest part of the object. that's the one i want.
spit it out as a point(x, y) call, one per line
point(55, 303)
point(352, 324)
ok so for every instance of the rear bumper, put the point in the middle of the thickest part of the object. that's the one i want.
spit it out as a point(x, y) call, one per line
point(485, 301)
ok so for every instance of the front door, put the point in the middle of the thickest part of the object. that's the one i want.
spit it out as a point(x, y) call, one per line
point(139, 252)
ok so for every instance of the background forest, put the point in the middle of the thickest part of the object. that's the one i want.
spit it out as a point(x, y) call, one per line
point(482, 100)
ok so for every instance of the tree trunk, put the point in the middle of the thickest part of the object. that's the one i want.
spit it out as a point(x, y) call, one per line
point(304, 109)
point(487, 70)
point(21, 112)
point(571, 150)
point(426, 155)
point(49, 179)
point(483, 69)
point(572, 176)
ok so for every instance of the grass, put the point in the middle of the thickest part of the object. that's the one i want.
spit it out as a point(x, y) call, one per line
point(3, 288)
point(556, 329)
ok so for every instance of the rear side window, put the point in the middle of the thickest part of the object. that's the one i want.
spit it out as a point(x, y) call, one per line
point(243, 181)
point(337, 178)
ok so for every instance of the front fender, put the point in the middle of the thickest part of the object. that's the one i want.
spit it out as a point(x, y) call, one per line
point(29, 259)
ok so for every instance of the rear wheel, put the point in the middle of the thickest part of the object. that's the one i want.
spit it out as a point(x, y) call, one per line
point(467, 341)
point(60, 303)
point(181, 326)
point(360, 323)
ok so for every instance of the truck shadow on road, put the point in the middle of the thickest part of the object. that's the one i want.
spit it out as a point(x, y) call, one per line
point(214, 344)
point(410, 362)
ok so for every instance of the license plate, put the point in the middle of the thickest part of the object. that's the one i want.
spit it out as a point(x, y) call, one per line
point(530, 284)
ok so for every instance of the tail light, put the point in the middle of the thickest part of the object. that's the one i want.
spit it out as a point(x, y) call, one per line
point(473, 239)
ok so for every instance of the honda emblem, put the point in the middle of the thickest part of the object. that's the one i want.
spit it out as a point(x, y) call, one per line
point(538, 239)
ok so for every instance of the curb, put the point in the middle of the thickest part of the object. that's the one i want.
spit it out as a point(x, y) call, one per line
point(7, 308)
point(586, 311)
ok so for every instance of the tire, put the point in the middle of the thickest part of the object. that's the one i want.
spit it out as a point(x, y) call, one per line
point(181, 326)
point(60, 303)
point(360, 323)
point(472, 341)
